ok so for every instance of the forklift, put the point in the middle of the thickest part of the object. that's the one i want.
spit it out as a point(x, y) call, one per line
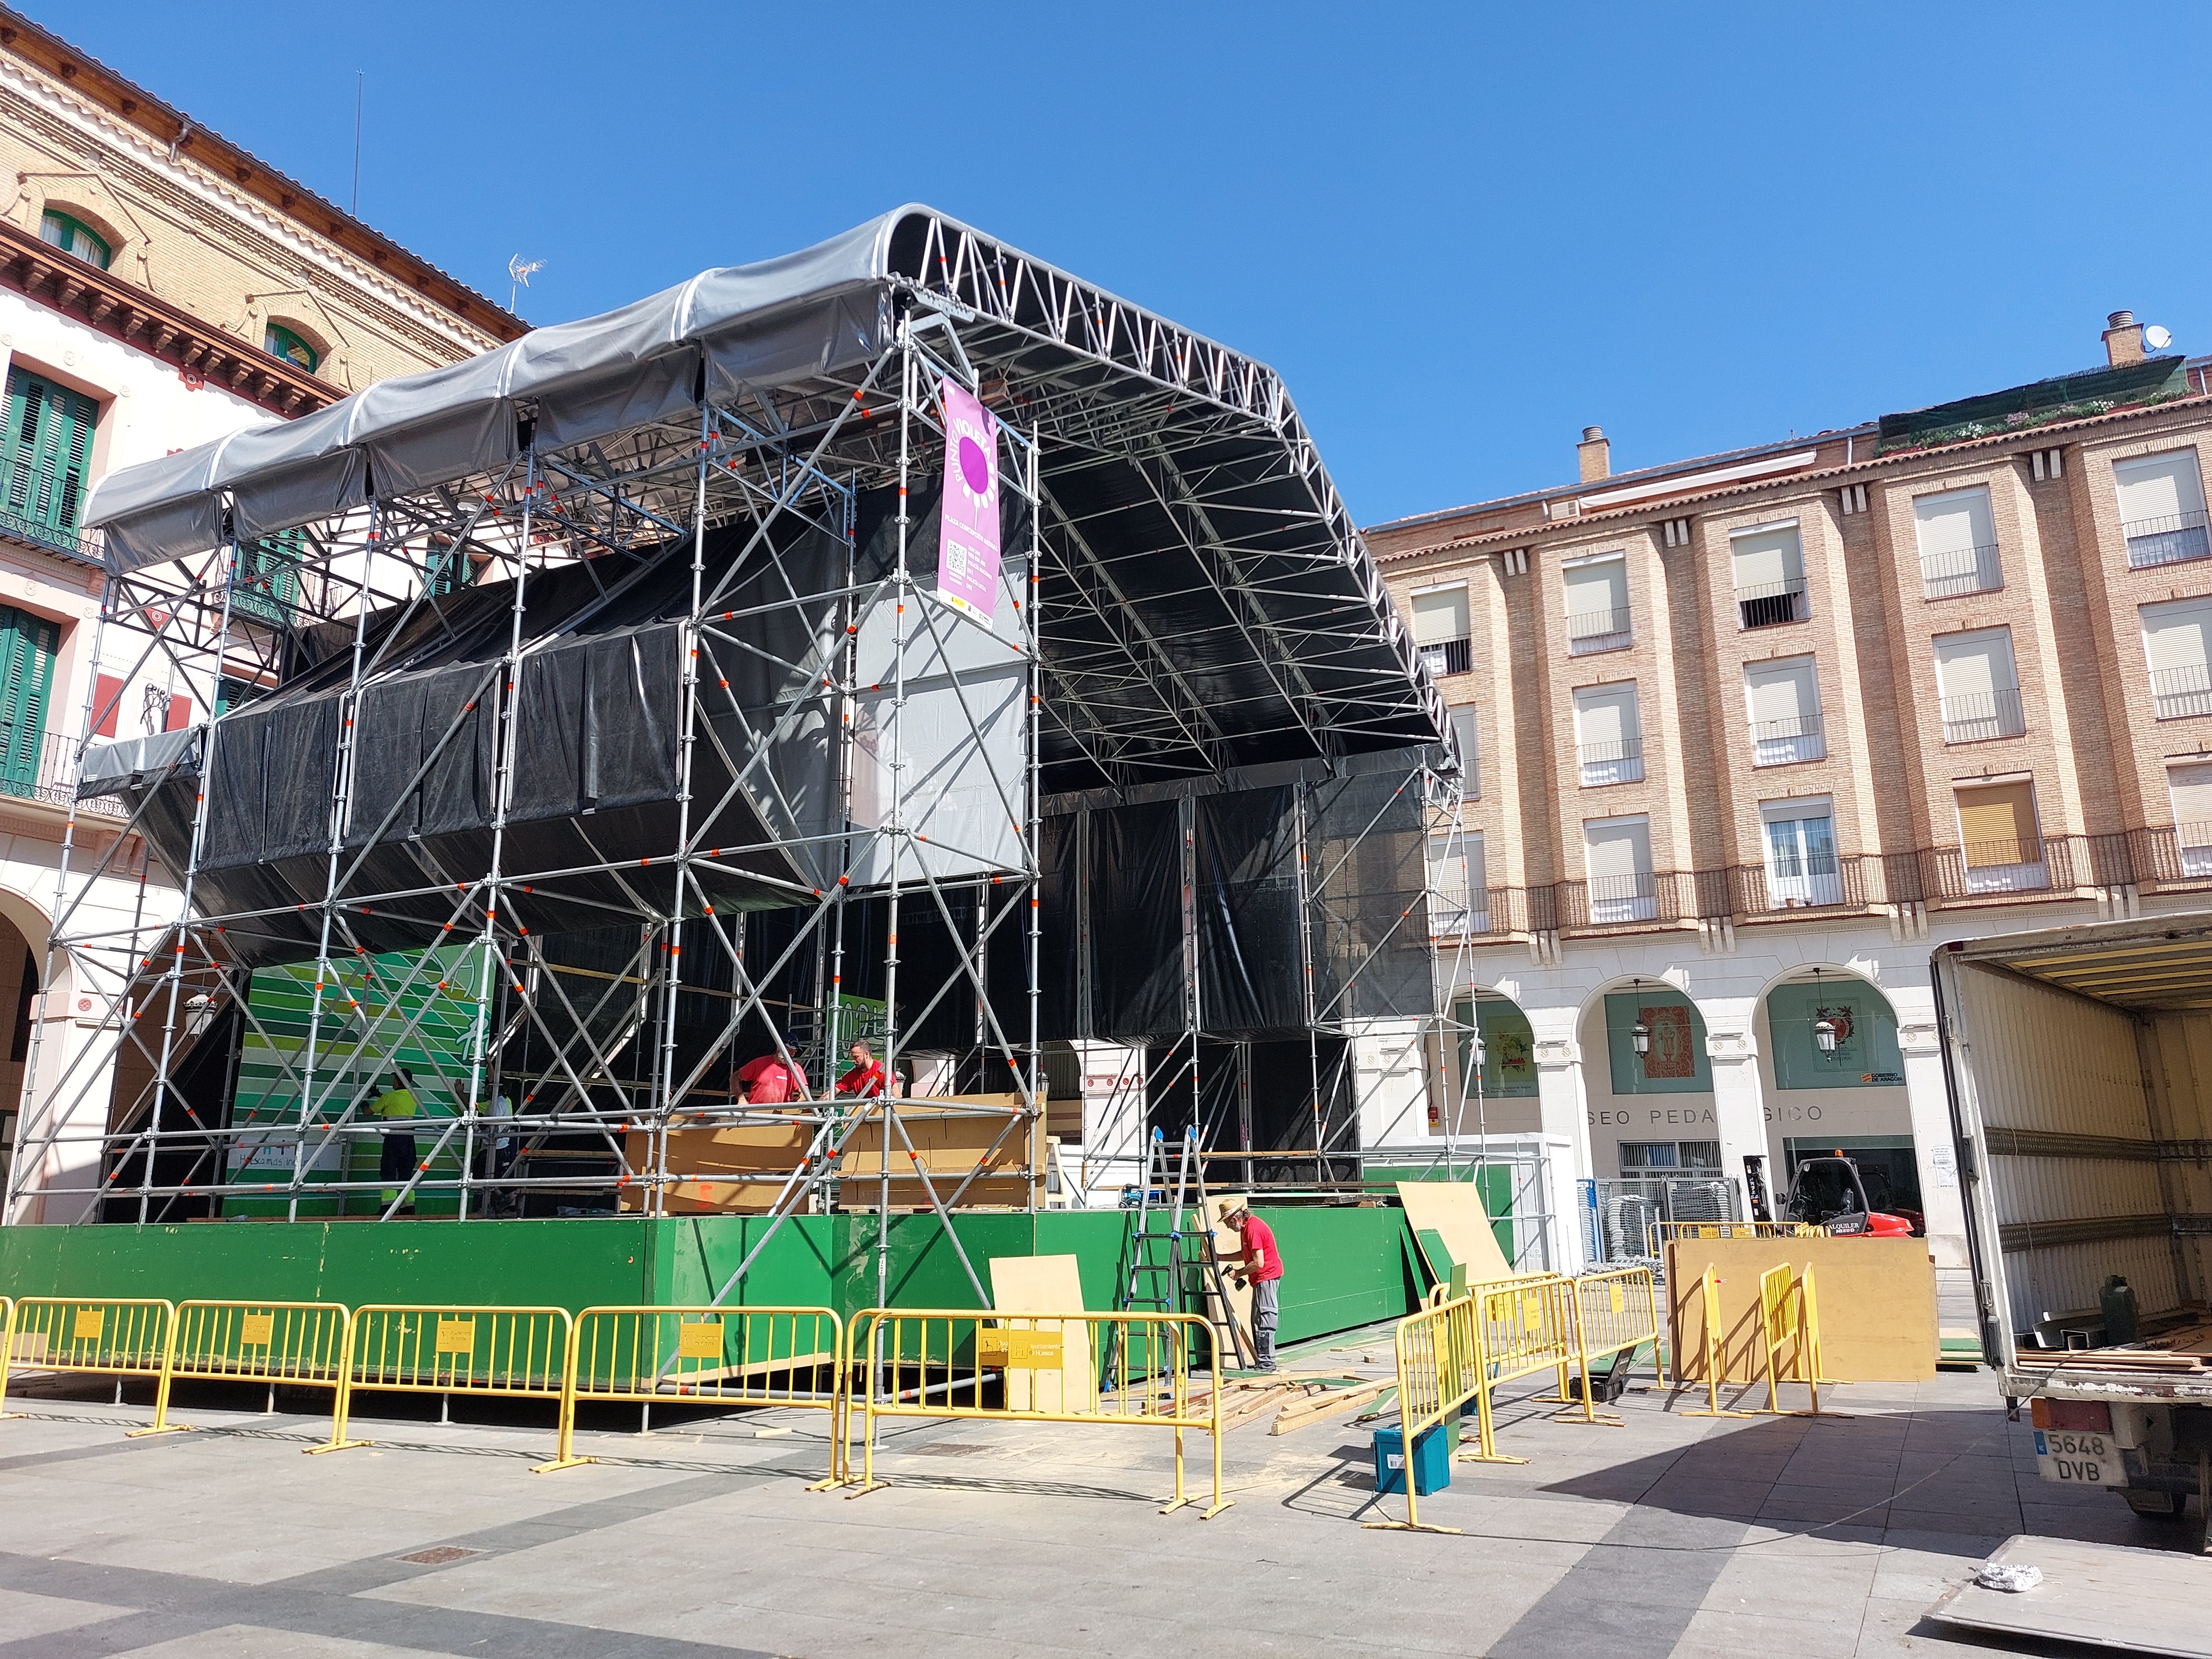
point(1829, 1192)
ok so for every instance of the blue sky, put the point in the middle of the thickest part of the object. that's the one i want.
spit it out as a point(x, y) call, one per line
point(1462, 232)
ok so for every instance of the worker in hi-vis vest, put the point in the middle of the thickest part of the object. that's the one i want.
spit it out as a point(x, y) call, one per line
point(397, 1104)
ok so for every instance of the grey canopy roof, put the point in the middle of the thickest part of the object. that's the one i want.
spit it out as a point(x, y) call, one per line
point(760, 324)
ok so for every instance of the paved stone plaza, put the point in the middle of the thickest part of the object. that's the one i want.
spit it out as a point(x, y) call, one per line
point(1676, 1534)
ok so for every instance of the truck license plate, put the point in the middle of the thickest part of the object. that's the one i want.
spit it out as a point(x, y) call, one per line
point(2089, 1460)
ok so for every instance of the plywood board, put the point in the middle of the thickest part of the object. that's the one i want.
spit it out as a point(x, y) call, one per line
point(1227, 1242)
point(1876, 1298)
point(740, 1170)
point(2105, 1594)
point(1455, 1210)
point(1047, 1285)
point(948, 1144)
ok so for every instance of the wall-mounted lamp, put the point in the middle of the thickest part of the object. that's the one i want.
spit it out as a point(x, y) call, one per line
point(1824, 1033)
point(1640, 1034)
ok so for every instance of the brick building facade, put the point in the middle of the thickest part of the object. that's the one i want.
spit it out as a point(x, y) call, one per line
point(1747, 736)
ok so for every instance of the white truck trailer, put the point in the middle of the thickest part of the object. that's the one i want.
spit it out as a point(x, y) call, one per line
point(2079, 1067)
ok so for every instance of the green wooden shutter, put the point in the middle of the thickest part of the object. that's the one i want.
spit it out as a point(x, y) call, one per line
point(48, 447)
point(268, 583)
point(27, 644)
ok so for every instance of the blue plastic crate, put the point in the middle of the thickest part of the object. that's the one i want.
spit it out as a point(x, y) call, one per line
point(1431, 1460)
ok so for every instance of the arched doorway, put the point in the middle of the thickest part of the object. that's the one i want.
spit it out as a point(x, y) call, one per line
point(1485, 1083)
point(1648, 1084)
point(18, 990)
point(1834, 1082)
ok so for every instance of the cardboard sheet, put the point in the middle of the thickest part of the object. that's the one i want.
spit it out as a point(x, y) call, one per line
point(1047, 1283)
point(949, 1145)
point(1454, 1210)
point(725, 1157)
point(1876, 1298)
point(1226, 1244)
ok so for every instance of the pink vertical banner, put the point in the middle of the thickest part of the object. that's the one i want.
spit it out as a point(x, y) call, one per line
point(968, 535)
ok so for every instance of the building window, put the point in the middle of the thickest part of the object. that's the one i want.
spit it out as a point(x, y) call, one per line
point(1852, 498)
point(1999, 840)
point(1440, 629)
point(1467, 733)
point(2190, 787)
point(1958, 544)
point(279, 341)
point(1617, 853)
point(27, 645)
point(1801, 867)
point(2162, 509)
point(1608, 735)
point(1769, 575)
point(2176, 638)
point(2048, 464)
point(1459, 888)
point(1597, 605)
point(445, 569)
point(1784, 702)
point(74, 237)
point(267, 583)
point(1671, 1158)
point(47, 448)
point(1978, 686)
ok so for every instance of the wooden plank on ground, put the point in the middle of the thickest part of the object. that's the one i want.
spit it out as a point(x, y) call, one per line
point(2107, 1595)
point(1453, 1211)
point(1299, 1412)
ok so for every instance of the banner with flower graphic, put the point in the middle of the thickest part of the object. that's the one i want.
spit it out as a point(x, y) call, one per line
point(968, 531)
point(1865, 1032)
point(1674, 1062)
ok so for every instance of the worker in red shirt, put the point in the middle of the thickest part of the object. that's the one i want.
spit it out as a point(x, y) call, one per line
point(1258, 1262)
point(771, 1080)
point(865, 1079)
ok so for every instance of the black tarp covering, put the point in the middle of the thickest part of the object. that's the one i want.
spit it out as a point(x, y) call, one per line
point(1135, 891)
point(1277, 1084)
point(1367, 853)
point(1250, 971)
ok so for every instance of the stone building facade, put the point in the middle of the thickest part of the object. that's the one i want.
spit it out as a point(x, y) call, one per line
point(1748, 736)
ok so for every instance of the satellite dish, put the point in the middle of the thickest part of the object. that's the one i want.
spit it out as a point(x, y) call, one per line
point(2157, 338)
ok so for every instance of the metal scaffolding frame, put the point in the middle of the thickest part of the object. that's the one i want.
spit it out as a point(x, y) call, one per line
point(1102, 411)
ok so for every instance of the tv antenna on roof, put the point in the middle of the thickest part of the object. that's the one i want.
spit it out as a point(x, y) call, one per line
point(520, 270)
point(2157, 338)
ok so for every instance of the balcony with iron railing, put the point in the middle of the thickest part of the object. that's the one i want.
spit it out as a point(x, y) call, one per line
point(1603, 764)
point(2178, 693)
point(1981, 716)
point(1959, 570)
point(42, 766)
point(1441, 657)
point(1590, 632)
point(1772, 603)
point(48, 537)
point(2174, 540)
point(1784, 742)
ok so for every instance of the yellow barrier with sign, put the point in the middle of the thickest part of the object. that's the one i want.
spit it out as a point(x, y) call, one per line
point(1668, 1231)
point(105, 1336)
point(299, 1344)
point(507, 1353)
point(1523, 1326)
point(1439, 1371)
point(1790, 1319)
point(1616, 1312)
point(904, 1362)
point(705, 1355)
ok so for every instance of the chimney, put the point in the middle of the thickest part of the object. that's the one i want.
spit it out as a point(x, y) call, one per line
point(1596, 455)
point(2123, 338)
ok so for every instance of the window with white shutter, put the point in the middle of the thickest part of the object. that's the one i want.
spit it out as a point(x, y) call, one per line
point(1608, 735)
point(1459, 891)
point(1617, 853)
point(2177, 642)
point(1978, 686)
point(1597, 605)
point(1769, 575)
point(1958, 544)
point(1440, 630)
point(2190, 787)
point(1467, 734)
point(1784, 699)
point(2162, 508)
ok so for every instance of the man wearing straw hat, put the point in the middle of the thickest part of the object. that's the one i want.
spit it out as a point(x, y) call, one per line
point(1258, 1262)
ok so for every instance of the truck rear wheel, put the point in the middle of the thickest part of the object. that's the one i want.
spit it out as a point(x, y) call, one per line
point(2157, 1506)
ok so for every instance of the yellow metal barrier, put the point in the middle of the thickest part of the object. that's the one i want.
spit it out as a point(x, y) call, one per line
point(1439, 1371)
point(1716, 1351)
point(1668, 1231)
point(905, 1362)
point(506, 1354)
point(107, 1336)
point(703, 1355)
point(1523, 1326)
point(1616, 1312)
point(1789, 1317)
point(299, 1344)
